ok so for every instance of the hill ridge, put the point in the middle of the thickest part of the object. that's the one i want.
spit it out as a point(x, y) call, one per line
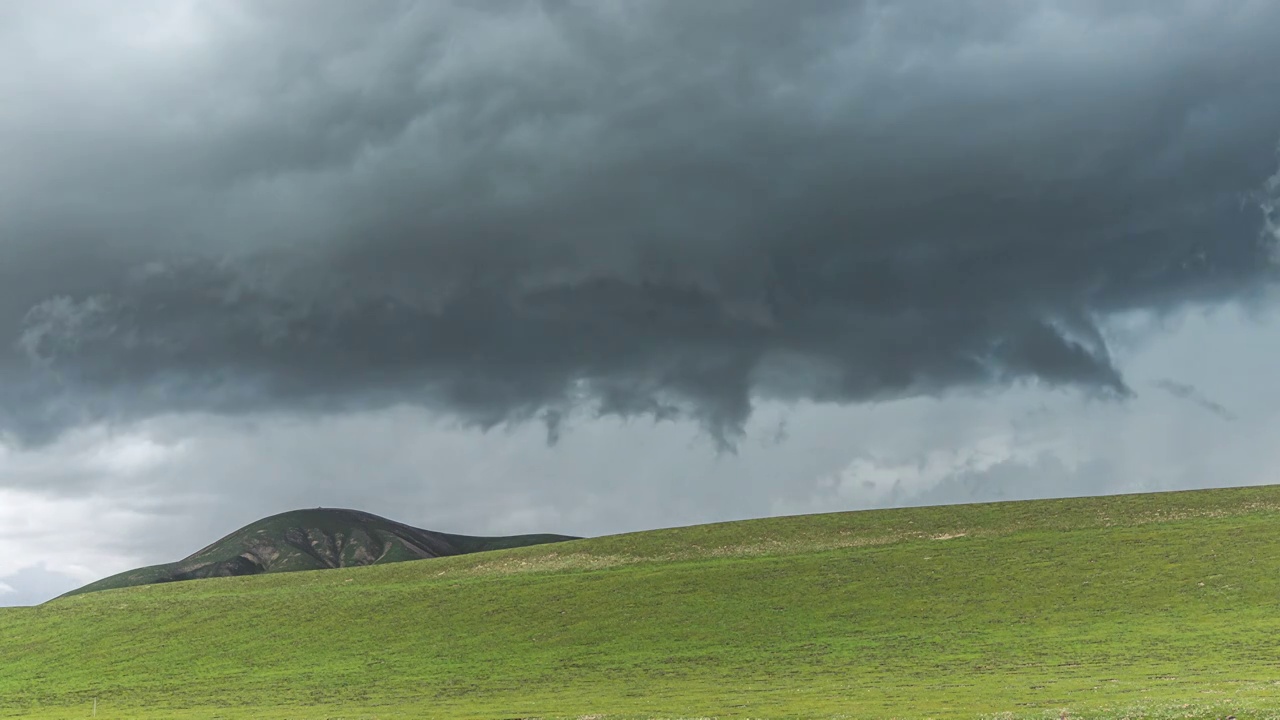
point(313, 539)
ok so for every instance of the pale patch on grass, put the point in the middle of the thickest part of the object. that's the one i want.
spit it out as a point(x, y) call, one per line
point(556, 562)
point(1180, 514)
point(552, 562)
point(793, 546)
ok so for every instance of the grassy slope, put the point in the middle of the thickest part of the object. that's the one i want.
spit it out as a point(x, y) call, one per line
point(1161, 605)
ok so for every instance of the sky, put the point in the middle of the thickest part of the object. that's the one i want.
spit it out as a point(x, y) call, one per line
point(596, 267)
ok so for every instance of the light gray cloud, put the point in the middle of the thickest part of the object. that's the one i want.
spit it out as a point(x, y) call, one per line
point(505, 210)
point(34, 585)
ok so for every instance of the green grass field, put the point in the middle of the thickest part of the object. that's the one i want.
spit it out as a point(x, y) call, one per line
point(1160, 606)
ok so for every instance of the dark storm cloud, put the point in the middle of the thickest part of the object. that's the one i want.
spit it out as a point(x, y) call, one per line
point(506, 210)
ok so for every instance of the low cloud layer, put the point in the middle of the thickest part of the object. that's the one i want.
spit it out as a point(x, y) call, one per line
point(506, 211)
point(101, 500)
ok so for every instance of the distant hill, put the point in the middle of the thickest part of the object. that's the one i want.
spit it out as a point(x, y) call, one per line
point(314, 540)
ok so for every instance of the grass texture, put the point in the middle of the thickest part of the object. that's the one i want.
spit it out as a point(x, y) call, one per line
point(1140, 606)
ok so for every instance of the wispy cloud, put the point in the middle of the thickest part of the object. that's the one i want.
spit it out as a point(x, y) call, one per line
point(1183, 391)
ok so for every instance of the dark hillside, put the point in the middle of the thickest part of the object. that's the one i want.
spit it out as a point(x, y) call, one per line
point(314, 540)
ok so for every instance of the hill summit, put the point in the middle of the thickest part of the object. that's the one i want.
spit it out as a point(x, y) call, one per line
point(314, 539)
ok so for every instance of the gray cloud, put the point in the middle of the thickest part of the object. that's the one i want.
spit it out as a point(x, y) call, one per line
point(99, 500)
point(1183, 391)
point(34, 585)
point(506, 210)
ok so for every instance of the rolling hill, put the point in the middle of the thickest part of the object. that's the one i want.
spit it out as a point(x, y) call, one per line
point(1138, 606)
point(315, 539)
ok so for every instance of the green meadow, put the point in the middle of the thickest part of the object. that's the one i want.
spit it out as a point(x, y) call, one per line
point(1139, 606)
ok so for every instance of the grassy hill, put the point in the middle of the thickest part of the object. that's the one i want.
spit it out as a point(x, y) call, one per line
point(1141, 606)
point(317, 539)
